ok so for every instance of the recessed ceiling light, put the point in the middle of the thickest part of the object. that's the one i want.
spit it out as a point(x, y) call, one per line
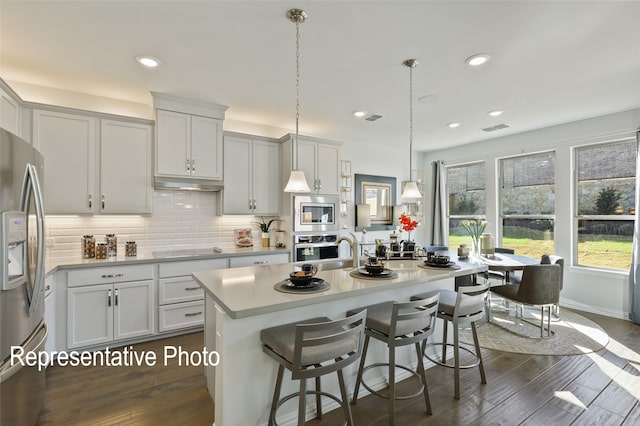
point(453, 125)
point(359, 114)
point(148, 61)
point(495, 113)
point(478, 59)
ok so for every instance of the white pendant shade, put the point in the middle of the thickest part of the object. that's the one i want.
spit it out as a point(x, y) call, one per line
point(297, 182)
point(411, 190)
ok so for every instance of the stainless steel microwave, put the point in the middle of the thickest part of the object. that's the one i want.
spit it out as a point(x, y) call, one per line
point(313, 213)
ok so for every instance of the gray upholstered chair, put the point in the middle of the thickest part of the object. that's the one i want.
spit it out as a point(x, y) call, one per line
point(461, 308)
point(546, 259)
point(398, 324)
point(540, 286)
point(314, 348)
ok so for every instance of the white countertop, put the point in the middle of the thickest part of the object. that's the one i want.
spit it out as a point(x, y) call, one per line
point(249, 291)
point(53, 264)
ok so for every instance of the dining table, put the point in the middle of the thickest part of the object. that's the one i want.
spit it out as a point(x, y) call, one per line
point(507, 263)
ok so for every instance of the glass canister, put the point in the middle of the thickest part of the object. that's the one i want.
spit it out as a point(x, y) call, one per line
point(112, 245)
point(130, 249)
point(101, 251)
point(487, 245)
point(88, 244)
point(280, 239)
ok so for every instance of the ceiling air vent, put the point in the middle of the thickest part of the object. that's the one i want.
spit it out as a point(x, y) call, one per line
point(373, 117)
point(494, 128)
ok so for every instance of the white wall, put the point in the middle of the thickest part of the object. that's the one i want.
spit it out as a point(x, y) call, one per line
point(589, 289)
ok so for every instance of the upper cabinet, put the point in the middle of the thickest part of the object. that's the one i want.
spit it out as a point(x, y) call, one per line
point(251, 175)
point(94, 165)
point(188, 138)
point(320, 161)
point(10, 112)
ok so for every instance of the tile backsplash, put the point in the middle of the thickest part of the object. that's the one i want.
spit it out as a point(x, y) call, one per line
point(180, 219)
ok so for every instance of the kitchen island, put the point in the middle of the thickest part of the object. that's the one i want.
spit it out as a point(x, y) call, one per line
point(242, 301)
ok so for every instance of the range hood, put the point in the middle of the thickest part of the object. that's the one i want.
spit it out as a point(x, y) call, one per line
point(188, 184)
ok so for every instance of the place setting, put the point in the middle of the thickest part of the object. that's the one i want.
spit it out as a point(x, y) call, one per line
point(303, 281)
point(437, 261)
point(374, 269)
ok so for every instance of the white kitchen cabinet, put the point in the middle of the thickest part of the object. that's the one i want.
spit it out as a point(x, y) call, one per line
point(188, 145)
point(94, 165)
point(50, 313)
point(251, 175)
point(180, 298)
point(68, 143)
point(126, 173)
point(108, 304)
point(10, 113)
point(261, 259)
point(320, 162)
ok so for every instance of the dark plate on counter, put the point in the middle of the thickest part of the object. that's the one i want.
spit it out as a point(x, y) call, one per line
point(313, 282)
point(384, 272)
point(439, 265)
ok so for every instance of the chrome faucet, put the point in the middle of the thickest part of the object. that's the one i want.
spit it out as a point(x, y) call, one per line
point(353, 242)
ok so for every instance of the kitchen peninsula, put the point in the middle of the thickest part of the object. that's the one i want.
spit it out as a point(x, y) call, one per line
point(242, 301)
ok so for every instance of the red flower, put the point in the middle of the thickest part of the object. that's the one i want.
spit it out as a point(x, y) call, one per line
point(407, 224)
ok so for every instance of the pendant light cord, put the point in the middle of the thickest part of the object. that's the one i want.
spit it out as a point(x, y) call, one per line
point(297, 90)
point(410, 122)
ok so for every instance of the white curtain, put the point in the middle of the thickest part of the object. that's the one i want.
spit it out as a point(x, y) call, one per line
point(439, 225)
point(634, 272)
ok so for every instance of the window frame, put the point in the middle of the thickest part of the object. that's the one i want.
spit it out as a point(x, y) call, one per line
point(483, 215)
point(576, 217)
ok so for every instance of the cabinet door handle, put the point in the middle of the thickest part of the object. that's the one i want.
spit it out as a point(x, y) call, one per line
point(108, 297)
point(193, 165)
point(90, 200)
point(250, 204)
point(193, 314)
point(260, 262)
point(188, 165)
point(121, 275)
point(103, 198)
point(191, 288)
point(117, 297)
point(254, 203)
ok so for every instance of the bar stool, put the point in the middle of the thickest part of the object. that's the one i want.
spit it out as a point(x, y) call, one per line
point(313, 348)
point(462, 308)
point(398, 324)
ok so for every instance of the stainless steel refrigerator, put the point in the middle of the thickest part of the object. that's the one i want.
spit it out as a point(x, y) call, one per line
point(22, 327)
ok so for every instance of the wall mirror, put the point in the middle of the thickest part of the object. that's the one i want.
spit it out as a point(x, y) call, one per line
point(380, 193)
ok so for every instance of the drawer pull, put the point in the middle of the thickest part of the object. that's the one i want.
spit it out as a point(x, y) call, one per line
point(193, 314)
point(260, 262)
point(112, 275)
point(191, 288)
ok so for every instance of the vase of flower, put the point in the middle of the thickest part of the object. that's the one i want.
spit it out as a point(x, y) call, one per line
point(408, 225)
point(474, 228)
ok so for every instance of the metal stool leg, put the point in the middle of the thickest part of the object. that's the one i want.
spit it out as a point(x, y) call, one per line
point(423, 374)
point(444, 340)
point(276, 396)
point(345, 398)
point(318, 404)
point(392, 386)
point(360, 369)
point(456, 357)
point(302, 402)
point(476, 343)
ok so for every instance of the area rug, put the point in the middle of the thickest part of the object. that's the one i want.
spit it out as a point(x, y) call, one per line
point(574, 334)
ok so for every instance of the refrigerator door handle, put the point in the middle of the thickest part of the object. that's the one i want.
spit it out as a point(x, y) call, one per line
point(31, 184)
point(8, 370)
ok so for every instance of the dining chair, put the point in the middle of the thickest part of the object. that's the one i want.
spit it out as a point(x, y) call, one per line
point(540, 286)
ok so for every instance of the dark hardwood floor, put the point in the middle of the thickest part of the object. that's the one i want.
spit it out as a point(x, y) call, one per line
point(593, 389)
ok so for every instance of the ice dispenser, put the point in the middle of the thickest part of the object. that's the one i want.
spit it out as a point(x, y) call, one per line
point(13, 249)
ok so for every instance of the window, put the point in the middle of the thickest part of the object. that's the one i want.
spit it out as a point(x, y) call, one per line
point(605, 198)
point(527, 203)
point(467, 199)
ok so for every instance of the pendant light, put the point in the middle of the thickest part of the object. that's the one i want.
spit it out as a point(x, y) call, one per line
point(297, 181)
point(411, 188)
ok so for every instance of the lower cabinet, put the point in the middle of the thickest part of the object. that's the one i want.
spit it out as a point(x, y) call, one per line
point(103, 313)
point(180, 298)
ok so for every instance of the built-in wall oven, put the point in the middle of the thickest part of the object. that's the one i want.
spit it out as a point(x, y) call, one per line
point(315, 247)
point(315, 213)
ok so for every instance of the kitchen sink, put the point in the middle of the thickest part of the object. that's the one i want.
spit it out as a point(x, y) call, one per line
point(163, 254)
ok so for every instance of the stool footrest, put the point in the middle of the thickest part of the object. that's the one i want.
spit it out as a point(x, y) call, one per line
point(401, 397)
point(309, 392)
point(444, 363)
